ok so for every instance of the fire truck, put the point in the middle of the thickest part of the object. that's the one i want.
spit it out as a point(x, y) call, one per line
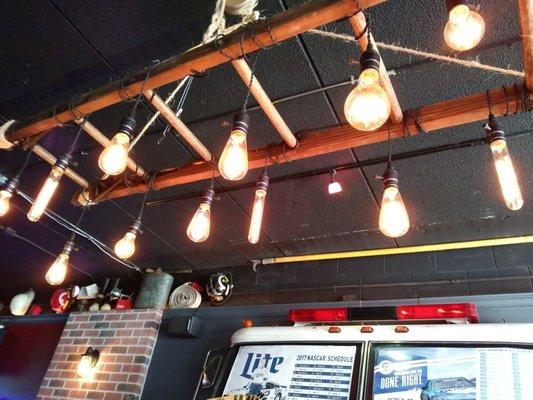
point(414, 352)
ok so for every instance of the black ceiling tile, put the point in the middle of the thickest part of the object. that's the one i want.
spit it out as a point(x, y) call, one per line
point(518, 255)
point(43, 63)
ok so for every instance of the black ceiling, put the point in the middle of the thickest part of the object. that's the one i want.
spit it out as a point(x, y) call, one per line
point(55, 49)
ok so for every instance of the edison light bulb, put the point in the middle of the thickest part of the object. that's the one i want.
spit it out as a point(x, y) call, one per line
point(334, 187)
point(48, 189)
point(258, 208)
point(368, 106)
point(200, 225)
point(465, 28)
point(233, 163)
point(114, 158)
point(5, 197)
point(125, 247)
point(506, 174)
point(393, 217)
point(57, 272)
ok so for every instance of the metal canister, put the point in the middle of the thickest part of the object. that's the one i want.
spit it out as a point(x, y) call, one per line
point(154, 291)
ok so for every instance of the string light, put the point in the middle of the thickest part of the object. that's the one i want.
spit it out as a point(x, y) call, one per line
point(58, 270)
point(465, 27)
point(200, 225)
point(258, 207)
point(368, 106)
point(393, 217)
point(233, 162)
point(334, 187)
point(125, 247)
point(114, 158)
point(49, 188)
point(510, 188)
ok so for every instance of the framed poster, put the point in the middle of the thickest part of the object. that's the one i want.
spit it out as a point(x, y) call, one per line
point(293, 372)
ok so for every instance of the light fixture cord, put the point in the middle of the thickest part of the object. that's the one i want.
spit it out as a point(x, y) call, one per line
point(252, 77)
point(389, 142)
point(489, 103)
point(26, 161)
point(150, 184)
point(78, 134)
point(73, 234)
point(139, 97)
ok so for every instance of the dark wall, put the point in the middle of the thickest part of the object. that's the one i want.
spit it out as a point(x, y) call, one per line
point(25, 353)
point(177, 362)
point(466, 272)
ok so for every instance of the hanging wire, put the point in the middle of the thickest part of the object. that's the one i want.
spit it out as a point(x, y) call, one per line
point(389, 143)
point(73, 234)
point(26, 161)
point(150, 185)
point(141, 91)
point(252, 76)
point(78, 134)
point(489, 102)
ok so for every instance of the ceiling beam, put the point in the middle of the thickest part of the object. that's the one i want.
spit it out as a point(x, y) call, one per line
point(244, 71)
point(177, 124)
point(359, 26)
point(332, 139)
point(525, 8)
point(261, 34)
point(51, 159)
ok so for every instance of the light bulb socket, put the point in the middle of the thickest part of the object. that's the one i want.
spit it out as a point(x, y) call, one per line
point(127, 125)
point(63, 161)
point(390, 177)
point(370, 59)
point(12, 185)
point(263, 181)
point(494, 129)
point(207, 198)
point(67, 249)
point(241, 121)
point(451, 4)
point(135, 227)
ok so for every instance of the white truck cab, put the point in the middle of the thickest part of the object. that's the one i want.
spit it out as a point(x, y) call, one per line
point(429, 352)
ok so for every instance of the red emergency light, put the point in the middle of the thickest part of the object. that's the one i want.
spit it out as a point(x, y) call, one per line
point(465, 311)
point(318, 315)
point(422, 312)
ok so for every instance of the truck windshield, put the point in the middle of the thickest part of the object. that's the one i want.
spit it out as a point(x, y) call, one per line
point(450, 372)
point(294, 372)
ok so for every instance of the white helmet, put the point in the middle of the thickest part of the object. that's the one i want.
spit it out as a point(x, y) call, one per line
point(21, 302)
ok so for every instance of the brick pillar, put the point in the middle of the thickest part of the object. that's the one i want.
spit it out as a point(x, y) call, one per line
point(126, 341)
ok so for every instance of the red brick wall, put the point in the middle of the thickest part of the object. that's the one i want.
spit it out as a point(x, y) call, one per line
point(125, 340)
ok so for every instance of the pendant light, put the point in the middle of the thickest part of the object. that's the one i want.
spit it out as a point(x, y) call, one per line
point(125, 247)
point(7, 192)
point(258, 207)
point(510, 188)
point(200, 225)
point(465, 27)
point(368, 106)
point(58, 270)
point(334, 187)
point(393, 217)
point(233, 162)
point(52, 182)
point(114, 158)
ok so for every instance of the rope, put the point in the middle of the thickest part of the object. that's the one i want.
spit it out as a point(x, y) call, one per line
point(424, 54)
point(218, 22)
